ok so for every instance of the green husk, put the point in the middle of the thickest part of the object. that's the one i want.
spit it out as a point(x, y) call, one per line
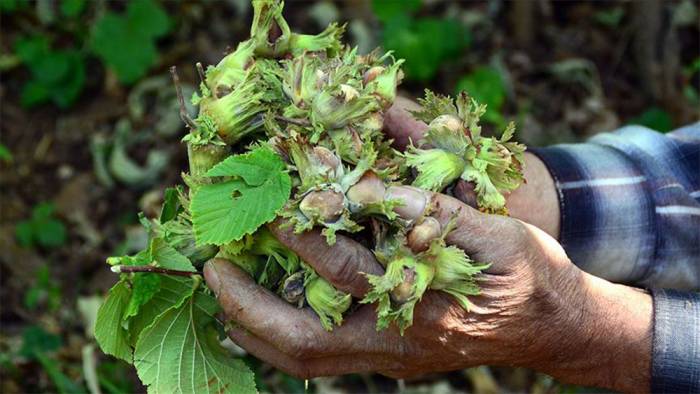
point(328, 302)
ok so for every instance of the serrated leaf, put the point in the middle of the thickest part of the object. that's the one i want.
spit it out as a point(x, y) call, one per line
point(180, 353)
point(143, 287)
point(167, 257)
point(173, 291)
point(109, 333)
point(171, 204)
point(225, 212)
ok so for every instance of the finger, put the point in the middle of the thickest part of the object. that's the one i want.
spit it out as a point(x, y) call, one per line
point(400, 124)
point(262, 312)
point(307, 368)
point(487, 237)
point(340, 264)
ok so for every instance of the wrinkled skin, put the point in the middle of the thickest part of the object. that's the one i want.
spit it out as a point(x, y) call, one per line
point(536, 309)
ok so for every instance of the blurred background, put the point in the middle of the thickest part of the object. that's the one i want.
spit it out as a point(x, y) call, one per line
point(90, 137)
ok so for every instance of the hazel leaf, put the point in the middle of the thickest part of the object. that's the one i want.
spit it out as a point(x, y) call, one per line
point(226, 211)
point(110, 335)
point(180, 352)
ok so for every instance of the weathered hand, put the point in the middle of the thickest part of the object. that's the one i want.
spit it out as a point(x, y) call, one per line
point(536, 310)
point(534, 202)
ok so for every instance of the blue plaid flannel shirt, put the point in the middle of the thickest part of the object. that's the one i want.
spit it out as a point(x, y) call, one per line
point(630, 213)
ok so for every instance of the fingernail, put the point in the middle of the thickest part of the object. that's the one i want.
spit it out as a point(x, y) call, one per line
point(414, 201)
point(211, 275)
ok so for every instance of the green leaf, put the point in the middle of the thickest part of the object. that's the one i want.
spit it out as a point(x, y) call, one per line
point(36, 340)
point(143, 287)
point(63, 383)
point(44, 290)
point(109, 333)
point(148, 17)
point(180, 353)
point(50, 233)
point(126, 43)
point(425, 43)
point(486, 86)
point(167, 257)
point(42, 228)
point(224, 212)
point(171, 204)
point(24, 232)
point(71, 8)
point(57, 75)
point(654, 118)
point(173, 291)
point(5, 154)
point(387, 9)
point(30, 49)
point(610, 17)
point(10, 6)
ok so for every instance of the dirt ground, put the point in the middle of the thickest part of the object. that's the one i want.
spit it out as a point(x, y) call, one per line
point(569, 69)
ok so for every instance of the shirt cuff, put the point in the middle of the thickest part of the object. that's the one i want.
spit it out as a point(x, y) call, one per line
point(606, 211)
point(676, 345)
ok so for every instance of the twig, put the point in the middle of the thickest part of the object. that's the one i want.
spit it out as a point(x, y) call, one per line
point(149, 268)
point(180, 98)
point(298, 122)
point(202, 76)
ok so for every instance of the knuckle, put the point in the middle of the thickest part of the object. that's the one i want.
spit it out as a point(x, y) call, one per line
point(295, 347)
point(343, 271)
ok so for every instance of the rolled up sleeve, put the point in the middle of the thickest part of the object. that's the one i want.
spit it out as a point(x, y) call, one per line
point(630, 205)
point(676, 344)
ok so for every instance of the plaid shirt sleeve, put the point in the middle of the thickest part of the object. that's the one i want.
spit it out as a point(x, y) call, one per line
point(630, 212)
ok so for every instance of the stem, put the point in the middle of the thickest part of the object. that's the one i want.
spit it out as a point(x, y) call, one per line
point(151, 269)
point(202, 76)
point(298, 122)
point(181, 100)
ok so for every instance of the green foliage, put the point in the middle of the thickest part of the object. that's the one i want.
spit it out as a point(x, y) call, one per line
point(691, 91)
point(654, 118)
point(36, 340)
point(38, 345)
point(172, 339)
point(56, 75)
point(44, 290)
point(109, 331)
point(5, 154)
point(610, 17)
point(180, 352)
point(72, 8)
point(126, 42)
point(41, 229)
point(385, 10)
point(425, 43)
point(10, 6)
point(226, 211)
point(485, 84)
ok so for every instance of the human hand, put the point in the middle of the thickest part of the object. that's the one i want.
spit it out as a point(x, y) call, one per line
point(536, 310)
point(534, 202)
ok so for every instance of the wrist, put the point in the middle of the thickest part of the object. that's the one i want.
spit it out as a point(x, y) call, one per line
point(536, 201)
point(607, 337)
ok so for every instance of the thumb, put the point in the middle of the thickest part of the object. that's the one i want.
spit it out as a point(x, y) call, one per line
point(400, 125)
point(486, 238)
